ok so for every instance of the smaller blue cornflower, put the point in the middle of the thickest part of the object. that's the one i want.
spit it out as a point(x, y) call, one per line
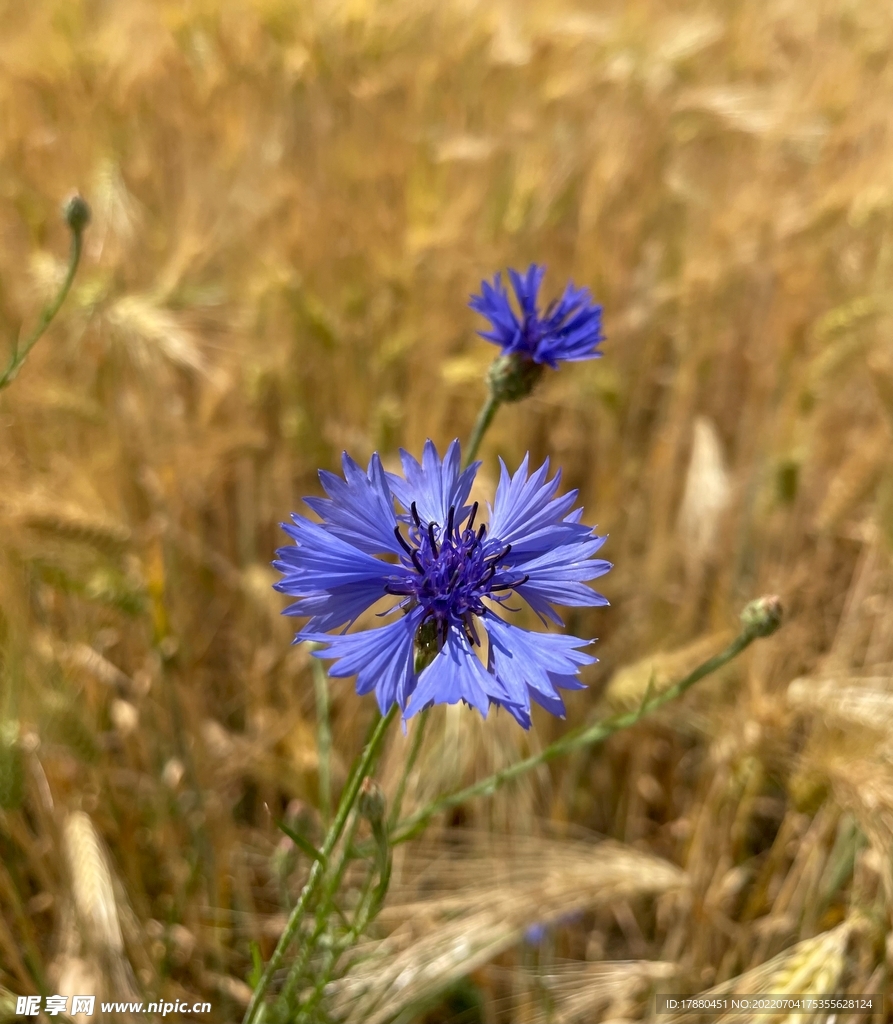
point(448, 579)
point(536, 933)
point(568, 330)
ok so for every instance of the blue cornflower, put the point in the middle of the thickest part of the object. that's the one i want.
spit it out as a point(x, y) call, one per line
point(535, 933)
point(569, 330)
point(449, 577)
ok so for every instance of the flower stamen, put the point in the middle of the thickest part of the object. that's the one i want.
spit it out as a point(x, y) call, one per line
point(452, 574)
point(511, 586)
point(402, 542)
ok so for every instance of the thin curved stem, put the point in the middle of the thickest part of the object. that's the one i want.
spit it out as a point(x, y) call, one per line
point(323, 913)
point(48, 313)
point(324, 739)
point(584, 737)
point(485, 418)
point(317, 872)
point(417, 735)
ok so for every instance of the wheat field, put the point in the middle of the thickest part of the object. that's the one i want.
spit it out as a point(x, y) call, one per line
point(292, 202)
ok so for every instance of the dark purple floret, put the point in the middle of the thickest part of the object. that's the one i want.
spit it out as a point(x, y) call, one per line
point(455, 569)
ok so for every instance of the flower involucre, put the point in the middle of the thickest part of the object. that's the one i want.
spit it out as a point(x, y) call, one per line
point(449, 577)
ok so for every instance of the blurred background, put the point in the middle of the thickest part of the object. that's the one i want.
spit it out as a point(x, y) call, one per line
point(292, 204)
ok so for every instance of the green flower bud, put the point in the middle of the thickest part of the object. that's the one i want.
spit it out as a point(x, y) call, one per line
point(372, 801)
point(76, 213)
point(513, 377)
point(763, 616)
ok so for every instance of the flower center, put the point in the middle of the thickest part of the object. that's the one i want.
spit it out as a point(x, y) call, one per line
point(532, 332)
point(453, 568)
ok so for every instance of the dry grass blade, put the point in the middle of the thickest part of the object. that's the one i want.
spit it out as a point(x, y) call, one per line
point(855, 478)
point(83, 658)
point(72, 975)
point(152, 333)
point(741, 108)
point(865, 787)
point(7, 1005)
point(686, 37)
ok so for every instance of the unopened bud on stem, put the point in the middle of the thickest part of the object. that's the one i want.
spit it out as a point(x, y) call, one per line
point(763, 616)
point(76, 213)
point(372, 801)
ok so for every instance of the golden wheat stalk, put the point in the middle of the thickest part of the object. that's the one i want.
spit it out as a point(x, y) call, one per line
point(573, 993)
point(95, 906)
point(629, 684)
point(812, 967)
point(860, 700)
point(79, 657)
point(66, 520)
point(455, 927)
point(459, 748)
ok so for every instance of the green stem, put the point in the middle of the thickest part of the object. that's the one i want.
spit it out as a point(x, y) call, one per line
point(20, 354)
point(324, 740)
point(417, 735)
point(485, 418)
point(323, 913)
point(584, 737)
point(366, 910)
point(317, 871)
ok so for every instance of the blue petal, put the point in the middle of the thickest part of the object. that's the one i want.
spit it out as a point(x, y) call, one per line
point(520, 714)
point(334, 608)
point(321, 561)
point(454, 675)
point(554, 705)
point(493, 303)
point(535, 664)
point(559, 576)
point(360, 508)
point(526, 288)
point(573, 330)
point(526, 515)
point(381, 659)
point(434, 486)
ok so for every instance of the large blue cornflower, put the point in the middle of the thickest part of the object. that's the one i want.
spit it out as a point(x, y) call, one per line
point(569, 330)
point(449, 578)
